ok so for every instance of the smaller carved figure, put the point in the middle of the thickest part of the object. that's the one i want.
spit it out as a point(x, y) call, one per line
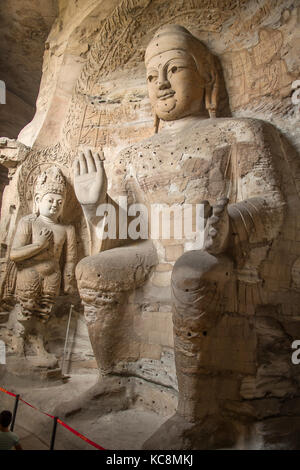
point(38, 245)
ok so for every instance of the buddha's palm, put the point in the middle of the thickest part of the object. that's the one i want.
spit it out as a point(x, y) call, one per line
point(90, 181)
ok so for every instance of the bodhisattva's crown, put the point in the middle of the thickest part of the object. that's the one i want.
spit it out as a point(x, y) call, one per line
point(50, 181)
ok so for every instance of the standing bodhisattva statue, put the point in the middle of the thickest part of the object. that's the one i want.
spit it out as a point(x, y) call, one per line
point(235, 301)
point(37, 249)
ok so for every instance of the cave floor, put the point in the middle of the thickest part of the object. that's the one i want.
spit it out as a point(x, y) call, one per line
point(112, 429)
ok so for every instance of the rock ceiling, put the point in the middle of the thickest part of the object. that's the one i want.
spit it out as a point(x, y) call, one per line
point(25, 26)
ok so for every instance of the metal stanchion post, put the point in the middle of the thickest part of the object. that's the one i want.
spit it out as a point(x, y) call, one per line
point(53, 433)
point(66, 339)
point(14, 413)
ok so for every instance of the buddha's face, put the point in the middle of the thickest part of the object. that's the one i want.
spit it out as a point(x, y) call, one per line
point(174, 84)
point(50, 205)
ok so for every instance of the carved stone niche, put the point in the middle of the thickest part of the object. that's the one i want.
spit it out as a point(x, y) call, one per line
point(233, 300)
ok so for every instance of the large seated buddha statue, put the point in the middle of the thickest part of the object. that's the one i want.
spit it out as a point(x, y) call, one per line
point(235, 299)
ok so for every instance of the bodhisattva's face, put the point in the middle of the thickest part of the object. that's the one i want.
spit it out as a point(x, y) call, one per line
point(175, 86)
point(51, 205)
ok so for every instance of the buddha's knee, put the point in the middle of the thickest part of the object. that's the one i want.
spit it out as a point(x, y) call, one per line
point(99, 271)
point(119, 269)
point(195, 267)
point(199, 284)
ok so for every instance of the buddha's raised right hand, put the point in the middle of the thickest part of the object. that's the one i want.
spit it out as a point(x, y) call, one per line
point(90, 180)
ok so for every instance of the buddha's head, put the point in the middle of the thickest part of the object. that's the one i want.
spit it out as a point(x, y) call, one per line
point(182, 75)
point(50, 192)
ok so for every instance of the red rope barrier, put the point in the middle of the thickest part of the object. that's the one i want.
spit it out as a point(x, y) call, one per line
point(37, 409)
point(80, 435)
point(8, 393)
point(62, 423)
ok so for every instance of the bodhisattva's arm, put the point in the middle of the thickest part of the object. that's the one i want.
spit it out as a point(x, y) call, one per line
point(22, 247)
point(71, 259)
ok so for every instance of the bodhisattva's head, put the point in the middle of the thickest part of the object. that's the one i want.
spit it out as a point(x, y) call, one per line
point(50, 205)
point(50, 193)
point(182, 75)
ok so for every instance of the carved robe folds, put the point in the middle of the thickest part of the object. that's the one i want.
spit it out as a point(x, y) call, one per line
point(231, 309)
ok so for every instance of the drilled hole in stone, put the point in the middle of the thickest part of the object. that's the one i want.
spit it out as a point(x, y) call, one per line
point(204, 333)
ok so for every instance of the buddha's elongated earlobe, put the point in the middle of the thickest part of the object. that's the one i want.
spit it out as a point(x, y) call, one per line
point(208, 104)
point(156, 124)
point(210, 100)
point(36, 201)
point(211, 93)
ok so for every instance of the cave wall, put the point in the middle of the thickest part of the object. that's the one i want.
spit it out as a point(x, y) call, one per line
point(25, 26)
